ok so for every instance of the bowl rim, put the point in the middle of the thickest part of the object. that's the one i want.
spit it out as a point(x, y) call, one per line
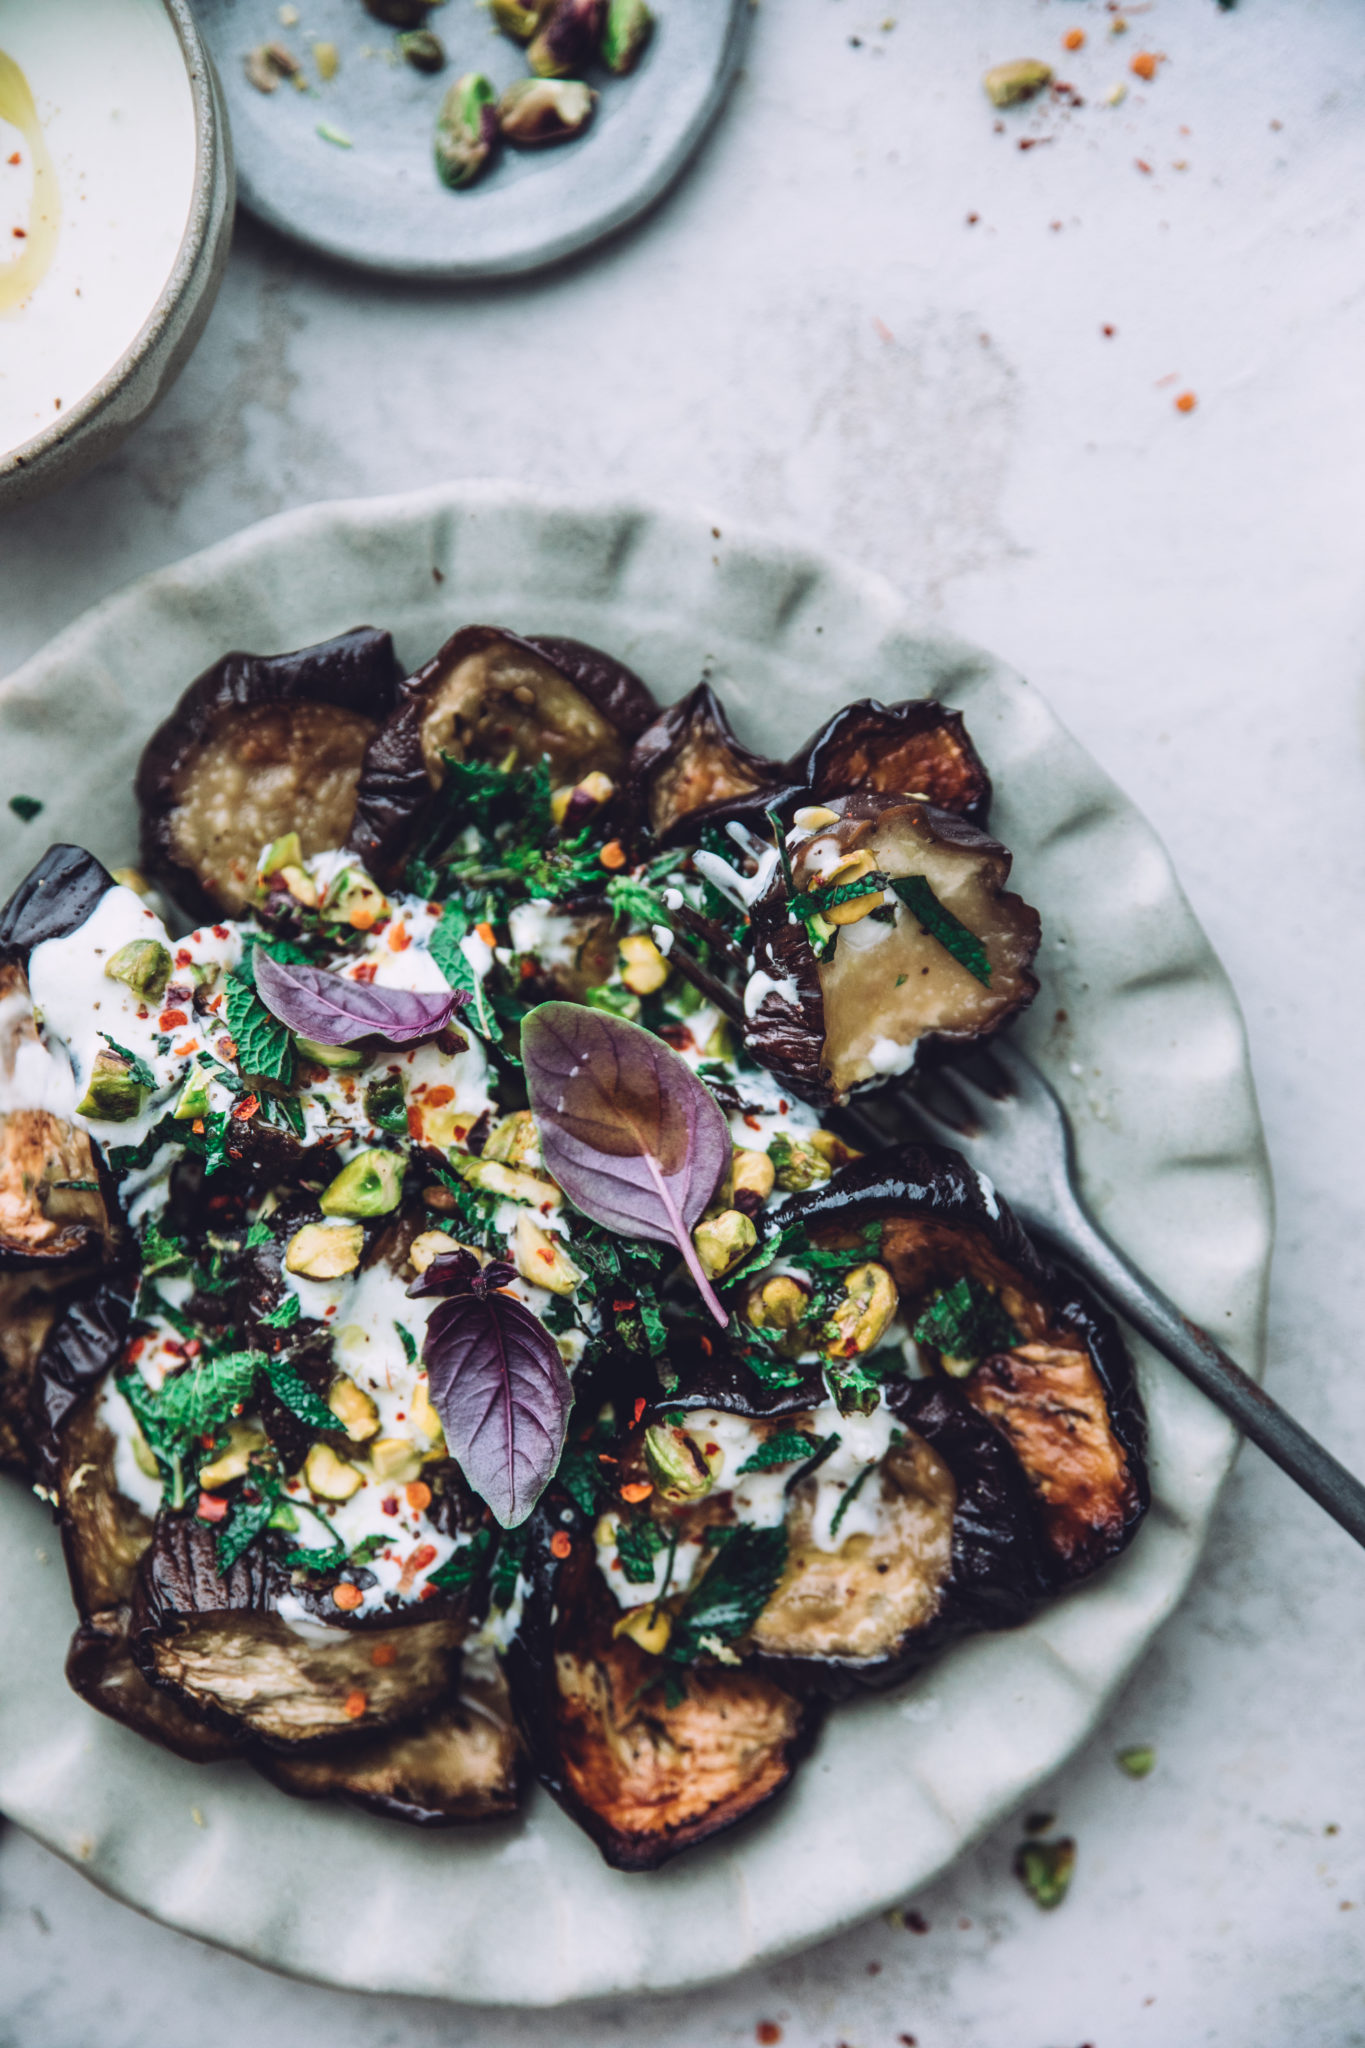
point(209, 140)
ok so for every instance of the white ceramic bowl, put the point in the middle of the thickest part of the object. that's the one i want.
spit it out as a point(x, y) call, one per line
point(117, 199)
point(1135, 1025)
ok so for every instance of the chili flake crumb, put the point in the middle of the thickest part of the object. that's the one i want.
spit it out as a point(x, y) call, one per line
point(347, 1597)
point(418, 1495)
point(636, 1490)
point(246, 1108)
point(1144, 64)
point(1186, 402)
point(172, 1020)
point(211, 1508)
point(1074, 39)
point(1108, 332)
point(767, 2031)
point(917, 1923)
point(389, 1504)
point(19, 234)
point(705, 1343)
point(356, 1703)
point(184, 958)
point(198, 1127)
point(220, 931)
point(613, 854)
point(560, 1546)
point(398, 940)
point(14, 159)
point(383, 1654)
point(1146, 169)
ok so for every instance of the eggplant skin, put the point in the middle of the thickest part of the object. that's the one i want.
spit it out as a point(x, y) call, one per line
point(689, 769)
point(29, 1306)
point(579, 708)
point(820, 1025)
point(463, 1765)
point(1065, 1397)
point(643, 1779)
point(218, 1645)
point(54, 899)
point(915, 748)
point(85, 1340)
point(260, 745)
point(100, 1669)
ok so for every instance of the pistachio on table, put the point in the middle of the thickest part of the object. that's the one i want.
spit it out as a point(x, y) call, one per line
point(466, 130)
point(569, 37)
point(1007, 84)
point(424, 51)
point(534, 113)
point(401, 13)
point(518, 21)
point(629, 27)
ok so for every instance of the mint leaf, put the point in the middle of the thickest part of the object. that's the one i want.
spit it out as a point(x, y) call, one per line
point(296, 1393)
point(285, 1313)
point(965, 947)
point(162, 1254)
point(243, 1525)
point(964, 1323)
point(446, 952)
point(26, 808)
point(462, 1564)
point(408, 1342)
point(259, 1234)
point(732, 1595)
point(264, 1047)
point(369, 1548)
point(850, 1495)
point(580, 1475)
point(637, 1546)
point(783, 1449)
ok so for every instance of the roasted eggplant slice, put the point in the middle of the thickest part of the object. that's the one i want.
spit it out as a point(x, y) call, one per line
point(54, 898)
point(259, 746)
point(646, 1767)
point(1027, 1346)
point(53, 1205)
point(243, 1651)
point(100, 1668)
point(690, 767)
point(918, 748)
point(903, 932)
point(494, 697)
point(464, 1763)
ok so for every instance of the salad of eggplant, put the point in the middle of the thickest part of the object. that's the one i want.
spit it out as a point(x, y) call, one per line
point(459, 1328)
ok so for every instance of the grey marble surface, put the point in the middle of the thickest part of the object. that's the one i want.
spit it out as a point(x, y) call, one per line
point(811, 334)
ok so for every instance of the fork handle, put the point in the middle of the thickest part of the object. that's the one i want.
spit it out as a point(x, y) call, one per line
point(1082, 1242)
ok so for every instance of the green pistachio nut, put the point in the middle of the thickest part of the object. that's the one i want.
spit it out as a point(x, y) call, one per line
point(371, 1185)
point(568, 39)
point(515, 20)
point(1007, 84)
point(330, 1055)
point(353, 899)
point(143, 965)
point(400, 13)
point(535, 113)
point(466, 130)
point(629, 27)
point(676, 1464)
point(515, 1141)
point(720, 1240)
point(385, 1105)
point(325, 1251)
point(859, 1322)
point(423, 50)
point(194, 1096)
point(112, 1096)
point(797, 1165)
point(286, 852)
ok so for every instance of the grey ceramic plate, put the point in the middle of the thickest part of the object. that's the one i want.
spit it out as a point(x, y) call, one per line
point(380, 203)
point(1149, 1055)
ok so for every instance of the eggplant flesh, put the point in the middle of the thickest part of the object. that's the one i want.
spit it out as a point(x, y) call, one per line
point(645, 1779)
point(219, 1644)
point(495, 697)
point(259, 746)
point(690, 765)
point(917, 748)
point(889, 983)
point(463, 1764)
point(100, 1669)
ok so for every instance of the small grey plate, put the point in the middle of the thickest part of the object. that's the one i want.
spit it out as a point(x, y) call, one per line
point(380, 204)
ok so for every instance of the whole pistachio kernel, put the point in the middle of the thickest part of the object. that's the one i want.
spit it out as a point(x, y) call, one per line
point(542, 1259)
point(535, 113)
point(429, 1245)
point(721, 1240)
point(814, 818)
point(466, 130)
point(676, 1464)
point(325, 1251)
point(370, 1185)
point(796, 1164)
point(143, 965)
point(111, 1095)
point(752, 1173)
point(569, 36)
point(424, 51)
point(629, 28)
point(516, 1184)
point(779, 1303)
point(330, 1476)
point(858, 1323)
point(234, 1460)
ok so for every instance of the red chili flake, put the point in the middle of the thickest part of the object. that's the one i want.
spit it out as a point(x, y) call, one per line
point(1186, 402)
point(917, 1923)
point(679, 1037)
point(486, 933)
point(560, 1546)
point(767, 2031)
point(172, 1020)
point(613, 854)
point(220, 931)
point(782, 1104)
point(19, 234)
point(620, 1307)
point(543, 1252)
point(182, 1052)
point(437, 1098)
point(16, 158)
point(705, 1343)
point(1146, 169)
point(176, 1349)
point(1108, 332)
point(184, 958)
point(1074, 39)
point(753, 1123)
point(640, 1405)
point(399, 940)
point(384, 1654)
point(428, 1592)
point(972, 219)
point(211, 1508)
point(135, 1350)
point(192, 1350)
point(198, 1127)
point(366, 971)
point(356, 1703)
point(246, 1108)
point(389, 1504)
point(606, 1458)
point(636, 1490)
point(1144, 64)
point(228, 1048)
point(712, 1450)
point(527, 968)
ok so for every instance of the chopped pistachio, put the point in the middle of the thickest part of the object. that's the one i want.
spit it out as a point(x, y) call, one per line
point(833, 1149)
point(143, 965)
point(796, 1164)
point(1045, 1869)
point(331, 1055)
point(676, 1464)
point(1138, 1762)
point(298, 881)
point(371, 1185)
point(429, 1245)
point(541, 1257)
point(858, 1322)
point(629, 28)
point(127, 878)
point(516, 1184)
point(143, 1456)
point(285, 852)
point(1007, 84)
point(466, 130)
point(854, 868)
point(325, 1251)
point(195, 1100)
point(520, 23)
point(396, 1458)
point(112, 1095)
point(424, 51)
point(535, 113)
point(234, 1462)
point(422, 1415)
point(644, 970)
point(515, 1140)
point(337, 136)
point(814, 818)
point(720, 1240)
point(581, 798)
point(330, 1476)
point(353, 1409)
point(328, 60)
point(650, 1627)
point(752, 1173)
point(353, 899)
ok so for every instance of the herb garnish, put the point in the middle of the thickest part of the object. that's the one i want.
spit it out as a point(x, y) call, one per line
point(732, 1595)
point(964, 1323)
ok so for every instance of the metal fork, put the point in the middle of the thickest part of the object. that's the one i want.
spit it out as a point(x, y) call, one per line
point(1007, 1122)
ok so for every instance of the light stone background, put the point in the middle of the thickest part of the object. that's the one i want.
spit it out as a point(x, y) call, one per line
point(810, 334)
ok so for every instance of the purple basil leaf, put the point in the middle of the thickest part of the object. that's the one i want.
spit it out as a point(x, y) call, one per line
point(331, 1010)
point(459, 1272)
point(499, 1386)
point(635, 1140)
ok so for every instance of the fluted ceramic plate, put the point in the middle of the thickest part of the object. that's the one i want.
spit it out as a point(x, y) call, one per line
point(370, 194)
point(1137, 1027)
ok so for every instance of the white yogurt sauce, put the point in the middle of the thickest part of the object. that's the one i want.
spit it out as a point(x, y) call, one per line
point(116, 112)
